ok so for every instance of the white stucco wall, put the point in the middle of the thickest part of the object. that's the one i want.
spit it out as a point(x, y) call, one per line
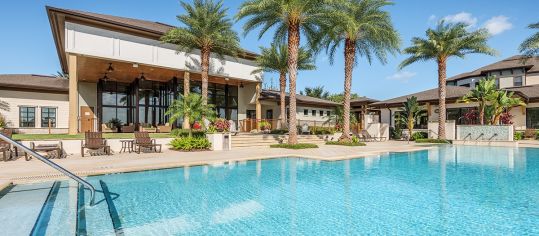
point(309, 117)
point(16, 99)
point(96, 42)
point(532, 79)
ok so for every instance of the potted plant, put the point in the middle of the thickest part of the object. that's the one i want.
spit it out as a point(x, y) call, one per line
point(221, 125)
point(265, 126)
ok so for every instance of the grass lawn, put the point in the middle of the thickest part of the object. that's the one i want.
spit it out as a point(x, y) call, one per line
point(37, 137)
point(294, 146)
point(427, 140)
point(350, 144)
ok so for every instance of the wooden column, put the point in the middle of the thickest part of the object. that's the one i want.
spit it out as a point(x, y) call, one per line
point(73, 95)
point(258, 106)
point(186, 90)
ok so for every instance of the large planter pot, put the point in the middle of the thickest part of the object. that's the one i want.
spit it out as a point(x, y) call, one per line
point(220, 141)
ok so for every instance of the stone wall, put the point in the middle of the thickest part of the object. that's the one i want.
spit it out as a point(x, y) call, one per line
point(485, 132)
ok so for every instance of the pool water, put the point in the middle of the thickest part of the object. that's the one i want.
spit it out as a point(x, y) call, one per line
point(451, 190)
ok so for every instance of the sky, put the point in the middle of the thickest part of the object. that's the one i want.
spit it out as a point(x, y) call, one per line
point(27, 45)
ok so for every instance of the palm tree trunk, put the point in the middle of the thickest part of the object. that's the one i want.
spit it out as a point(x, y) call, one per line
point(282, 87)
point(349, 56)
point(186, 90)
point(205, 66)
point(482, 114)
point(293, 49)
point(441, 101)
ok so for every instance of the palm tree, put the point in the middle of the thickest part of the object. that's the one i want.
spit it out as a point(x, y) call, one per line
point(411, 113)
point(365, 30)
point(481, 94)
point(191, 107)
point(206, 28)
point(442, 43)
point(503, 101)
point(337, 117)
point(290, 18)
point(530, 46)
point(316, 92)
point(275, 59)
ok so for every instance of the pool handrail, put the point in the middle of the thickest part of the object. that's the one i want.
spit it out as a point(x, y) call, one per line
point(53, 165)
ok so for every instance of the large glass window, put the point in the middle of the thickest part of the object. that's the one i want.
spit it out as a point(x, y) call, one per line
point(517, 81)
point(117, 105)
point(48, 116)
point(463, 116)
point(532, 118)
point(27, 117)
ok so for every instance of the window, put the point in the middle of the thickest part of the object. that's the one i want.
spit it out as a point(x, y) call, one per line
point(451, 83)
point(517, 81)
point(305, 112)
point(532, 118)
point(465, 85)
point(27, 117)
point(328, 113)
point(321, 113)
point(48, 114)
point(313, 112)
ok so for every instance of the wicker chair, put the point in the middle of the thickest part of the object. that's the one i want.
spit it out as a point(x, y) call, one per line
point(94, 141)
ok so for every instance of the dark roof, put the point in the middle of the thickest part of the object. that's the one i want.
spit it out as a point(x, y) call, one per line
point(363, 100)
point(275, 95)
point(532, 64)
point(431, 95)
point(38, 82)
point(530, 92)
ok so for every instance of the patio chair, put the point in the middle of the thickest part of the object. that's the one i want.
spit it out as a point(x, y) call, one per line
point(5, 147)
point(94, 141)
point(164, 128)
point(106, 129)
point(128, 128)
point(305, 129)
point(529, 134)
point(47, 148)
point(233, 129)
point(143, 140)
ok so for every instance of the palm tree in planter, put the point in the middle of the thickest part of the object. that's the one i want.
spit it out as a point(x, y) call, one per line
point(365, 30)
point(275, 59)
point(530, 46)
point(444, 42)
point(206, 28)
point(481, 94)
point(291, 18)
point(191, 107)
point(412, 111)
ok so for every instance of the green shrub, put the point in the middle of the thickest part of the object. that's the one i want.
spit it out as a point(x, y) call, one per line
point(419, 135)
point(537, 135)
point(190, 144)
point(321, 130)
point(185, 133)
point(355, 139)
point(279, 131)
point(294, 146)
point(431, 140)
point(518, 136)
point(396, 133)
point(351, 144)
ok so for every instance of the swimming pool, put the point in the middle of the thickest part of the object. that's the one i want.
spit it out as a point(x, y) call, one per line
point(450, 190)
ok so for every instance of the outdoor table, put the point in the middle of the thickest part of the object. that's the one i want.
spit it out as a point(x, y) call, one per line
point(127, 145)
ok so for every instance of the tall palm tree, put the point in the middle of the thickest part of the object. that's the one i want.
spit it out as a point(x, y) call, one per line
point(290, 18)
point(530, 46)
point(442, 43)
point(365, 30)
point(275, 59)
point(481, 94)
point(316, 92)
point(207, 28)
point(191, 107)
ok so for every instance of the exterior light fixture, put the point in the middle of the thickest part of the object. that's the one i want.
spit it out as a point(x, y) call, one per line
point(241, 85)
point(142, 76)
point(110, 69)
point(105, 78)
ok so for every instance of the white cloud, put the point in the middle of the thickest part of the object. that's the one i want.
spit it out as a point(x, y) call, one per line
point(463, 17)
point(432, 19)
point(498, 24)
point(403, 76)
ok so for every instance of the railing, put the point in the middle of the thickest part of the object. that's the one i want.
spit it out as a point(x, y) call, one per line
point(53, 165)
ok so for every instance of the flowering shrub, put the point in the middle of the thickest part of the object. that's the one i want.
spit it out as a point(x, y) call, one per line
point(221, 124)
point(197, 125)
point(506, 118)
point(471, 117)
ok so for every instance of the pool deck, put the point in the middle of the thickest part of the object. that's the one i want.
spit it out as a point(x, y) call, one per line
point(21, 171)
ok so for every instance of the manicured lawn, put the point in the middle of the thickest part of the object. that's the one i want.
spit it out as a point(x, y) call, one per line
point(37, 137)
point(294, 146)
point(350, 144)
point(426, 140)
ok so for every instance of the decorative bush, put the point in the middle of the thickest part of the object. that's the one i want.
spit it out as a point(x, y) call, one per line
point(279, 131)
point(322, 130)
point(351, 144)
point(191, 144)
point(3, 122)
point(294, 146)
point(264, 125)
point(537, 135)
point(419, 135)
point(429, 140)
point(518, 136)
point(185, 133)
point(221, 125)
point(396, 133)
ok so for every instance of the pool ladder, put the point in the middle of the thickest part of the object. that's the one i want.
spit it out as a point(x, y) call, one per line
point(53, 165)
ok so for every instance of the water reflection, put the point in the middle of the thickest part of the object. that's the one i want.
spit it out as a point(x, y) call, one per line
point(498, 157)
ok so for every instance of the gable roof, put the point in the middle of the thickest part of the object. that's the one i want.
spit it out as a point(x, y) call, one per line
point(363, 100)
point(531, 92)
point(38, 82)
point(431, 95)
point(532, 65)
point(276, 95)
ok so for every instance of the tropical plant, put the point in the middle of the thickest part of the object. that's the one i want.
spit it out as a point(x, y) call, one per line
point(316, 92)
point(481, 94)
point(501, 102)
point(61, 75)
point(192, 107)
point(365, 30)
point(207, 28)
point(190, 143)
point(275, 59)
point(411, 112)
point(290, 18)
point(264, 125)
point(3, 121)
point(530, 46)
point(444, 42)
point(114, 123)
point(339, 97)
point(337, 118)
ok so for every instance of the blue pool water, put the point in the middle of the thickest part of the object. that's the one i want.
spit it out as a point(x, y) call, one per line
point(453, 190)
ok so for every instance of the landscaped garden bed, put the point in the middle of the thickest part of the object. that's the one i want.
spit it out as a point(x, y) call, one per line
point(294, 146)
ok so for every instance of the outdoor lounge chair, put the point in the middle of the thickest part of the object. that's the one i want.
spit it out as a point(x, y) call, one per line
point(5, 147)
point(94, 141)
point(128, 128)
point(233, 129)
point(368, 138)
point(164, 128)
point(143, 140)
point(48, 148)
point(106, 129)
point(147, 128)
point(305, 129)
